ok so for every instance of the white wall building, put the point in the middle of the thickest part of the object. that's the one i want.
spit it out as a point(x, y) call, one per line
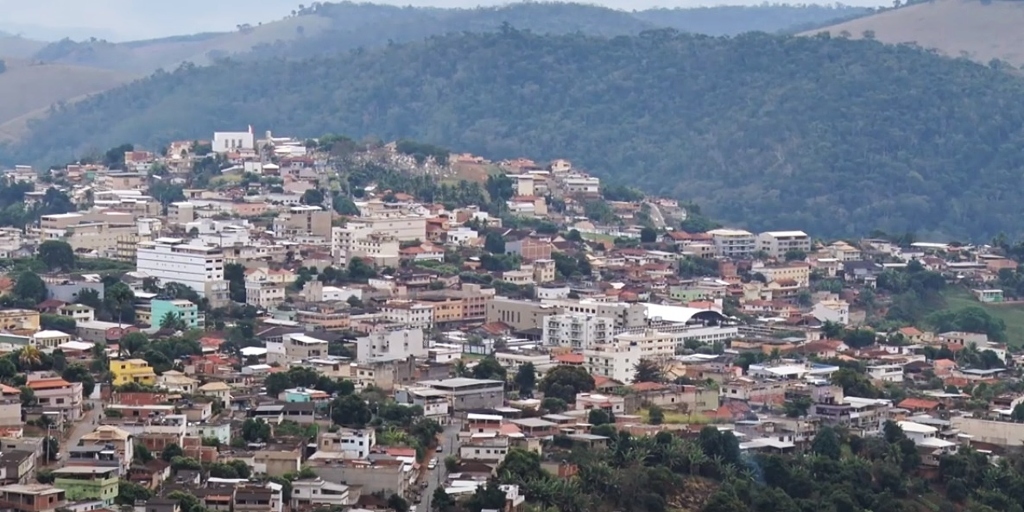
point(397, 344)
point(837, 311)
point(351, 443)
point(733, 243)
point(410, 314)
point(199, 267)
point(778, 243)
point(461, 236)
point(617, 360)
point(226, 142)
point(577, 330)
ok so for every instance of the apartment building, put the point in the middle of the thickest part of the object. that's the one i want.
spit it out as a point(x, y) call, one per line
point(520, 315)
point(122, 442)
point(132, 371)
point(55, 394)
point(391, 344)
point(294, 348)
point(778, 243)
point(19, 320)
point(319, 494)
point(199, 267)
point(265, 287)
point(577, 330)
point(581, 184)
point(184, 310)
point(465, 393)
point(408, 313)
point(796, 271)
point(79, 312)
point(625, 315)
point(617, 360)
point(733, 243)
point(403, 228)
point(327, 317)
point(101, 237)
point(304, 220)
point(543, 271)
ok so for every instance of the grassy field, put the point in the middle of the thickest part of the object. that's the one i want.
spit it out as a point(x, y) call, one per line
point(1013, 314)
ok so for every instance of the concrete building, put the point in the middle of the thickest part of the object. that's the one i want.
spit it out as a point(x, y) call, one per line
point(465, 393)
point(617, 360)
point(733, 243)
point(577, 330)
point(132, 370)
point(230, 142)
point(32, 498)
point(199, 267)
point(352, 443)
point(318, 493)
point(625, 315)
point(55, 394)
point(411, 314)
point(391, 344)
point(88, 483)
point(520, 315)
point(265, 288)
point(304, 220)
point(837, 311)
point(294, 348)
point(184, 310)
point(19, 320)
point(778, 243)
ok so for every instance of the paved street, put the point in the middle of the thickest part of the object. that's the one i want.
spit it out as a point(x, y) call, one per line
point(81, 428)
point(435, 478)
point(656, 216)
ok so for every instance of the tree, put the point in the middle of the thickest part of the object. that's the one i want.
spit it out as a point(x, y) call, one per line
point(78, 373)
point(276, 383)
point(256, 430)
point(565, 382)
point(656, 415)
point(141, 453)
point(648, 235)
point(313, 197)
point(170, 452)
point(489, 368)
point(795, 255)
point(130, 493)
point(494, 243)
point(28, 397)
point(598, 416)
point(441, 501)
point(350, 411)
point(526, 379)
point(398, 503)
point(826, 443)
point(647, 370)
point(30, 287)
point(57, 255)
point(171, 320)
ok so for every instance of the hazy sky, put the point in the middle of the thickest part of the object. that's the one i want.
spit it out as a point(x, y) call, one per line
point(119, 20)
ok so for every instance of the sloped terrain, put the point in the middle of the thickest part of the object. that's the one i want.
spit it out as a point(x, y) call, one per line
point(980, 31)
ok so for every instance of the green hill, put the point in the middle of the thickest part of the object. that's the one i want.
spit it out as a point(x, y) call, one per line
point(830, 135)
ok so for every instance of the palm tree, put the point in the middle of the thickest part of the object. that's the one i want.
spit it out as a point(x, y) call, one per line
point(29, 357)
point(697, 459)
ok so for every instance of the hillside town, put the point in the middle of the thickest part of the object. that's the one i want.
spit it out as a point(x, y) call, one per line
point(270, 324)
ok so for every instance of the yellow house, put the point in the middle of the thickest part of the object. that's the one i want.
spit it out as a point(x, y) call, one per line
point(132, 370)
point(19, 319)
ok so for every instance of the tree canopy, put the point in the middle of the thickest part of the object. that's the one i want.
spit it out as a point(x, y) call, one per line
point(765, 130)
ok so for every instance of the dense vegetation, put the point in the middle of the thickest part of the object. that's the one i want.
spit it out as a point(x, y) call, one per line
point(842, 472)
point(829, 135)
point(726, 20)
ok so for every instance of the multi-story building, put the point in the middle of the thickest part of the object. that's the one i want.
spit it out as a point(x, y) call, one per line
point(403, 228)
point(182, 309)
point(520, 315)
point(55, 394)
point(543, 271)
point(617, 360)
point(19, 320)
point(778, 243)
point(122, 442)
point(294, 348)
point(79, 312)
point(465, 393)
point(101, 237)
point(32, 498)
point(319, 494)
point(530, 248)
point(577, 330)
point(88, 482)
point(132, 370)
point(625, 315)
point(352, 443)
point(266, 287)
point(408, 313)
point(327, 317)
point(199, 267)
point(733, 243)
point(304, 220)
point(228, 142)
point(391, 344)
point(581, 184)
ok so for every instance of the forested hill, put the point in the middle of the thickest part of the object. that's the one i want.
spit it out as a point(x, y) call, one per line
point(832, 136)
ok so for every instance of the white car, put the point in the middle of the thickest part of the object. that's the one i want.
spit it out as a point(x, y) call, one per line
point(432, 464)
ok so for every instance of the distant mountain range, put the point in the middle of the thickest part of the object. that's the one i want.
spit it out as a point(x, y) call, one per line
point(831, 135)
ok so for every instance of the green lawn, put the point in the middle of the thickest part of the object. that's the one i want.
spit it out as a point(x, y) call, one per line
point(1013, 314)
point(676, 418)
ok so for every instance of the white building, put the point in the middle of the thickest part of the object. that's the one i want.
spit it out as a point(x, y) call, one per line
point(577, 330)
point(265, 287)
point(778, 243)
point(335, 294)
point(581, 184)
point(226, 142)
point(172, 260)
point(318, 493)
point(733, 243)
point(837, 311)
point(886, 372)
point(351, 443)
point(220, 233)
point(394, 344)
point(461, 236)
point(409, 314)
point(617, 360)
point(294, 348)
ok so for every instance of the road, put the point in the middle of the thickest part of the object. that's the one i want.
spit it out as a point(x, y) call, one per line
point(437, 476)
point(656, 216)
point(86, 425)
